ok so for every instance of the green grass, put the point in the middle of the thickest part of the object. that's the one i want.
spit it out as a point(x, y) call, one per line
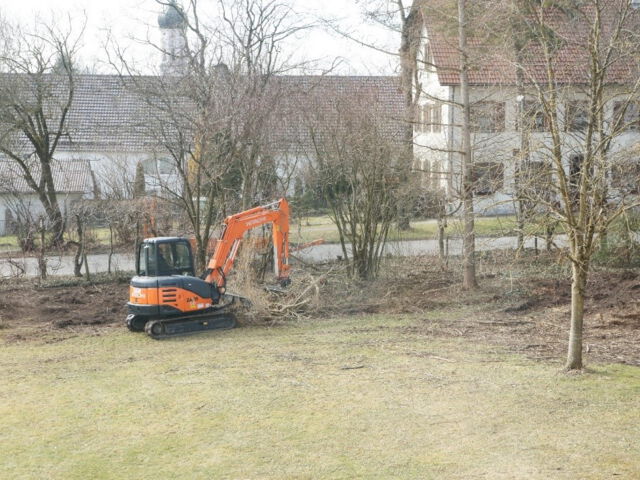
point(361, 397)
point(321, 227)
point(312, 228)
point(8, 243)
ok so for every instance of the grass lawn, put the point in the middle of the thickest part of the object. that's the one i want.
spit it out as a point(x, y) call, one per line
point(357, 397)
point(312, 228)
point(8, 243)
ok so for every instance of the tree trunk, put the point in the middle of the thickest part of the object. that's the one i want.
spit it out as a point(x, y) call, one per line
point(441, 230)
point(57, 224)
point(549, 237)
point(42, 259)
point(578, 287)
point(468, 239)
point(521, 210)
point(410, 39)
point(78, 260)
point(110, 248)
point(54, 215)
point(201, 253)
point(51, 205)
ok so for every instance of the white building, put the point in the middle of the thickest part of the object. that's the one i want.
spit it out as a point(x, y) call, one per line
point(73, 182)
point(495, 108)
point(109, 130)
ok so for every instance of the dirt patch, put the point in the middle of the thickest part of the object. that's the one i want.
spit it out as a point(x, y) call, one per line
point(522, 304)
point(27, 311)
point(535, 321)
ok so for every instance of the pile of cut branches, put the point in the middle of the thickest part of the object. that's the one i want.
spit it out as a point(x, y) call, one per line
point(271, 302)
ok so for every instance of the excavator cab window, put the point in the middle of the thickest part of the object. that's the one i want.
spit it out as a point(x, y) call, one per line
point(163, 259)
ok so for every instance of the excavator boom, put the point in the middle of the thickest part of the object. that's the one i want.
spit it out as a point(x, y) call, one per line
point(235, 226)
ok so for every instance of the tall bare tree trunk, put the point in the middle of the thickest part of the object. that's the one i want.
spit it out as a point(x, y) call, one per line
point(578, 286)
point(468, 239)
point(521, 210)
point(441, 230)
point(410, 40)
point(42, 259)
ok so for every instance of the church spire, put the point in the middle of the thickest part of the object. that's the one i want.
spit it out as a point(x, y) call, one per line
point(173, 26)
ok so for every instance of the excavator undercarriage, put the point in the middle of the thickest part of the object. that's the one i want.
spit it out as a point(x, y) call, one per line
point(218, 317)
point(164, 328)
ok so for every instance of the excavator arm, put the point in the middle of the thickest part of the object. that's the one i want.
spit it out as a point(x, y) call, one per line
point(235, 226)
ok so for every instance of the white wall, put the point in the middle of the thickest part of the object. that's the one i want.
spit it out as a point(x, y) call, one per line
point(499, 146)
point(431, 147)
point(32, 202)
point(113, 169)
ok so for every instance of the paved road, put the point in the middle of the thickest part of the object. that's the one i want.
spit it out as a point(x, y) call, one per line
point(63, 265)
point(125, 262)
point(426, 247)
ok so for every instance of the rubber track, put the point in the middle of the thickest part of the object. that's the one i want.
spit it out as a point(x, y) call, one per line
point(187, 325)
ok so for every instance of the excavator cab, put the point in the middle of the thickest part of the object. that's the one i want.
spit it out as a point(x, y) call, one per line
point(165, 284)
point(164, 256)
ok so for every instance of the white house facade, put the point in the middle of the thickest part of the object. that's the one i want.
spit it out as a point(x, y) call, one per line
point(497, 139)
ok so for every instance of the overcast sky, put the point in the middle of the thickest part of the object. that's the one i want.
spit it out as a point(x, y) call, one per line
point(138, 18)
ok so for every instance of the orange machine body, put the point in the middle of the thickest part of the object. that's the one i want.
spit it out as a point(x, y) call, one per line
point(180, 299)
point(173, 289)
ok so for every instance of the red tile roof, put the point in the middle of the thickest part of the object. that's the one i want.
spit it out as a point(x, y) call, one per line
point(492, 57)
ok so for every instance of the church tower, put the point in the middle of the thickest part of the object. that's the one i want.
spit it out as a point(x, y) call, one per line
point(173, 25)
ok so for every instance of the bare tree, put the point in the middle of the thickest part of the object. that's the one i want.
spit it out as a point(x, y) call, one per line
point(586, 113)
point(212, 114)
point(411, 26)
point(357, 169)
point(82, 215)
point(37, 87)
point(468, 239)
point(404, 18)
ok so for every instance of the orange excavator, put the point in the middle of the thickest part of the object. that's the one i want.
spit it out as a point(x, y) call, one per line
point(167, 299)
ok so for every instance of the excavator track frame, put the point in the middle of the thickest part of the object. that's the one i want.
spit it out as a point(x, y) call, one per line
point(163, 328)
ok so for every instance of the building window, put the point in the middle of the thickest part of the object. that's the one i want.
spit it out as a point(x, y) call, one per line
point(625, 176)
point(430, 118)
point(576, 116)
point(575, 167)
point(535, 119)
point(426, 118)
point(149, 166)
point(626, 116)
point(160, 166)
point(427, 54)
point(535, 178)
point(165, 166)
point(575, 175)
point(488, 177)
point(487, 117)
point(436, 118)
